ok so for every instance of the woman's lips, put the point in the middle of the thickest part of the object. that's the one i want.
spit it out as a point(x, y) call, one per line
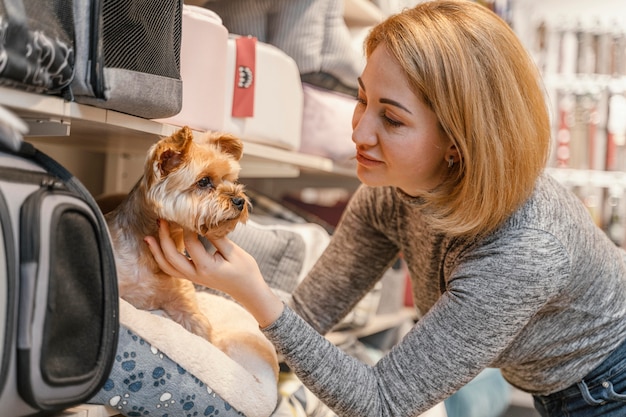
point(366, 160)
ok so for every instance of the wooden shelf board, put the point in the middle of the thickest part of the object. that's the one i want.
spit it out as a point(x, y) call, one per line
point(103, 130)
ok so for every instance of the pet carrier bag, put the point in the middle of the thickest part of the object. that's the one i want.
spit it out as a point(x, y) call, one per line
point(58, 288)
point(37, 45)
point(121, 55)
point(128, 56)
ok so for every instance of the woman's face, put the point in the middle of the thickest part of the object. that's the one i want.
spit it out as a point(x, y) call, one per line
point(398, 139)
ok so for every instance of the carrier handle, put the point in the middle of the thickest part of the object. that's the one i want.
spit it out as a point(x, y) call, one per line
point(12, 129)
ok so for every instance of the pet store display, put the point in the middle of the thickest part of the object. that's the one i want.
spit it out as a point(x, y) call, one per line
point(58, 286)
point(313, 33)
point(114, 54)
point(203, 71)
point(582, 59)
point(298, 85)
point(269, 77)
point(128, 56)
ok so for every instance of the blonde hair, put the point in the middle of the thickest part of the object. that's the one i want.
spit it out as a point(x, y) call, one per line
point(470, 68)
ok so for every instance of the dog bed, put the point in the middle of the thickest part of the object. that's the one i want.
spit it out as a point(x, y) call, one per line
point(161, 369)
point(327, 125)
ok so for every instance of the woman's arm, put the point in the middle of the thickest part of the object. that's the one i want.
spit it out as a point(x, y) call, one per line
point(487, 304)
point(493, 295)
point(360, 252)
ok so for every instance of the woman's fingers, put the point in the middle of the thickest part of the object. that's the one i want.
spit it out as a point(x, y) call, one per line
point(225, 247)
point(194, 246)
point(157, 253)
point(230, 269)
point(214, 270)
point(174, 259)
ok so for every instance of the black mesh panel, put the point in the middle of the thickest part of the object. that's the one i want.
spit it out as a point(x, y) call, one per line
point(143, 36)
point(73, 328)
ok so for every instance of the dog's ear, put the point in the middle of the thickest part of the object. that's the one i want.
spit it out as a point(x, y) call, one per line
point(230, 144)
point(169, 160)
point(181, 139)
point(173, 150)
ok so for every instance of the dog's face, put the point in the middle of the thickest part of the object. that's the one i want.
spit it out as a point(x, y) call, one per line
point(193, 182)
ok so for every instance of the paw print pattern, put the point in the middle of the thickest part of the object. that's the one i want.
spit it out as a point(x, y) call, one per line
point(127, 361)
point(118, 402)
point(134, 382)
point(145, 382)
point(108, 385)
point(155, 351)
point(165, 400)
point(211, 411)
point(137, 411)
point(160, 376)
point(188, 405)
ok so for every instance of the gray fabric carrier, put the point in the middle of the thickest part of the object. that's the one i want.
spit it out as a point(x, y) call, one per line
point(128, 56)
point(122, 55)
point(59, 318)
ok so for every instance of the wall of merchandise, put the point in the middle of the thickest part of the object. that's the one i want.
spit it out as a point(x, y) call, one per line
point(580, 48)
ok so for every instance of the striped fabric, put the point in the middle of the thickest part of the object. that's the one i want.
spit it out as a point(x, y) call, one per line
point(312, 32)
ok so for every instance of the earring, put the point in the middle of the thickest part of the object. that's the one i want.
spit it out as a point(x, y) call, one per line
point(450, 161)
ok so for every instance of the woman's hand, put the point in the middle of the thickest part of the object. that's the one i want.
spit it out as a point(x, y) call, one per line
point(230, 269)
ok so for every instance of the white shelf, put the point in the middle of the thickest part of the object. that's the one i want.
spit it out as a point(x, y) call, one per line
point(613, 180)
point(88, 410)
point(103, 130)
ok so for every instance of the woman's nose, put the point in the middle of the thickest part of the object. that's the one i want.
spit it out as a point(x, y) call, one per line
point(363, 132)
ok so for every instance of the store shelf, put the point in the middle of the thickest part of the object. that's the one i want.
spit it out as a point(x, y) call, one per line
point(585, 83)
point(613, 180)
point(53, 120)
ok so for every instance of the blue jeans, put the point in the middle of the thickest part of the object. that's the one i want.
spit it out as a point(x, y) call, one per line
point(601, 393)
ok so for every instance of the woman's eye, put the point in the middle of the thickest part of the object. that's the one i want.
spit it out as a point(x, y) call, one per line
point(391, 122)
point(205, 182)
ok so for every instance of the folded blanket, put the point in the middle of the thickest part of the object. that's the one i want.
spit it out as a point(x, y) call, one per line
point(162, 369)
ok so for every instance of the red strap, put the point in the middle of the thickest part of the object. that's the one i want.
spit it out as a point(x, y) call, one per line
point(245, 63)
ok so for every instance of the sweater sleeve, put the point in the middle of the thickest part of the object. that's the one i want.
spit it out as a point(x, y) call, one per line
point(356, 258)
point(493, 294)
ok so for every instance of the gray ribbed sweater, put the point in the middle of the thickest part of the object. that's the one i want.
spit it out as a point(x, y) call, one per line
point(543, 298)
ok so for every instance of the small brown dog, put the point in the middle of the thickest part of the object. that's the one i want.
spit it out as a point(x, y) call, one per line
point(190, 182)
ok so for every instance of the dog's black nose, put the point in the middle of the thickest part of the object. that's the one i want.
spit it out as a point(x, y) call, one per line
point(238, 202)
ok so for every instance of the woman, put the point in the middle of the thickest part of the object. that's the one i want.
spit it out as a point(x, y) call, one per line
point(508, 270)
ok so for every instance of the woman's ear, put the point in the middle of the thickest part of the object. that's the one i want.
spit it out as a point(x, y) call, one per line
point(452, 155)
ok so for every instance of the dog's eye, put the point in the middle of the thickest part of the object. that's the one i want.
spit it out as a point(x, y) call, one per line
point(205, 182)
